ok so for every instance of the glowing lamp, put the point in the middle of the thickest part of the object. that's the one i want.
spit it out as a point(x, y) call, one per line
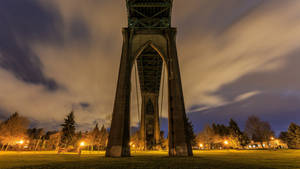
point(20, 142)
point(82, 143)
point(226, 142)
point(201, 145)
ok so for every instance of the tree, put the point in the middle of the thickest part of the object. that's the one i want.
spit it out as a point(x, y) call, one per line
point(164, 143)
point(221, 130)
point(35, 136)
point(52, 140)
point(235, 134)
point(245, 140)
point(231, 133)
point(208, 137)
point(103, 138)
point(293, 136)
point(98, 137)
point(238, 138)
point(190, 132)
point(68, 131)
point(283, 136)
point(13, 130)
point(257, 130)
point(136, 140)
point(95, 137)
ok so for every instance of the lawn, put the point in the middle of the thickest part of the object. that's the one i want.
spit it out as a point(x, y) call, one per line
point(225, 159)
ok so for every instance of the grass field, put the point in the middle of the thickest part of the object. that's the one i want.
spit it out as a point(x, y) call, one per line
point(223, 159)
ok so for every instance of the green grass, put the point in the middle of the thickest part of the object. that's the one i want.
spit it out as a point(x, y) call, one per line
point(223, 159)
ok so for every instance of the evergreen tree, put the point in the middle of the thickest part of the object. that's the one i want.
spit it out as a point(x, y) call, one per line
point(283, 136)
point(231, 133)
point(245, 140)
point(221, 130)
point(234, 128)
point(235, 134)
point(190, 132)
point(68, 131)
point(293, 136)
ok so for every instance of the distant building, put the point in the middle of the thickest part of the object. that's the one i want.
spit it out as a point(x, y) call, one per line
point(273, 144)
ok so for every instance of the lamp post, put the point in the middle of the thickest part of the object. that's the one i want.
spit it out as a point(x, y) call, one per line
point(226, 143)
point(82, 144)
point(20, 143)
point(200, 146)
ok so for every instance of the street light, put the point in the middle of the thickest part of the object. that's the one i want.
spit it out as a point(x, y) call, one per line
point(82, 144)
point(201, 145)
point(20, 142)
point(226, 142)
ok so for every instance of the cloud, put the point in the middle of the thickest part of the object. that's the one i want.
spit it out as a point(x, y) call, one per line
point(246, 96)
point(16, 33)
point(77, 49)
point(259, 41)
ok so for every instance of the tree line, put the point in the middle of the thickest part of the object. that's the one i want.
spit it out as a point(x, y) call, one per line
point(256, 134)
point(15, 135)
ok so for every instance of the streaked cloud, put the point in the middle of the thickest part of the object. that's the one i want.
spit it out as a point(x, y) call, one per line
point(224, 46)
point(246, 96)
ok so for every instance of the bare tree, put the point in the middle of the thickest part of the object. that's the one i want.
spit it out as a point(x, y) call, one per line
point(103, 137)
point(53, 139)
point(94, 137)
point(35, 136)
point(136, 140)
point(13, 130)
point(208, 137)
point(257, 130)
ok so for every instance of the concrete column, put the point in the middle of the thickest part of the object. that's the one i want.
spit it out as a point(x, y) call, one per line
point(154, 99)
point(119, 137)
point(178, 142)
point(156, 120)
point(142, 127)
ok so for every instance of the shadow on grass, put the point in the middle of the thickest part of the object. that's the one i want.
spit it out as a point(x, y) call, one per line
point(159, 160)
point(147, 163)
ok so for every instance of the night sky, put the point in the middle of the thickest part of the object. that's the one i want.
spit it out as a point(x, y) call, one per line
point(238, 58)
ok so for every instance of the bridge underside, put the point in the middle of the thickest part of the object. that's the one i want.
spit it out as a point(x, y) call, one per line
point(149, 22)
point(150, 70)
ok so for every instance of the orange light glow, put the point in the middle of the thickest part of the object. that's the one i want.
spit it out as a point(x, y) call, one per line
point(226, 142)
point(20, 142)
point(82, 143)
